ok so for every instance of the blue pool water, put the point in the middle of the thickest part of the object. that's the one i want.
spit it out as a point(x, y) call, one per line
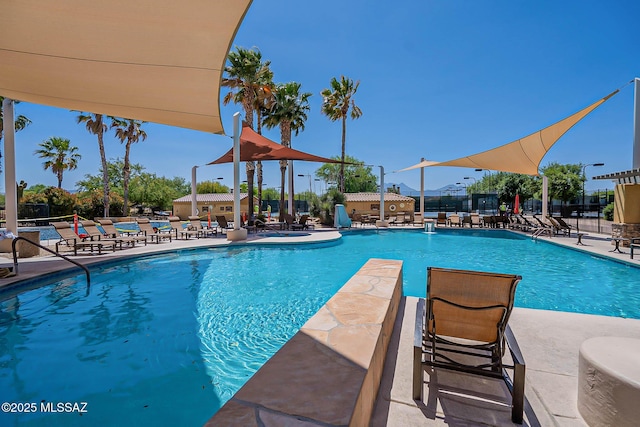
point(166, 340)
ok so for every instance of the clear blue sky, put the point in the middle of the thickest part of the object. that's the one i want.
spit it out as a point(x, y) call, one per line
point(438, 79)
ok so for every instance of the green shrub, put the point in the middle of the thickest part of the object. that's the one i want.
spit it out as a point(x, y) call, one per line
point(324, 207)
point(607, 212)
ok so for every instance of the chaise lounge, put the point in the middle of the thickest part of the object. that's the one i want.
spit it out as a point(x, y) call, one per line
point(70, 239)
point(462, 326)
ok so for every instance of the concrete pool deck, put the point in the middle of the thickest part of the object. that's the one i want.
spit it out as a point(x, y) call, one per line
point(549, 342)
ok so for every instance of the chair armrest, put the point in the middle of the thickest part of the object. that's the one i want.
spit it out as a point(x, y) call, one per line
point(519, 370)
point(635, 241)
point(514, 348)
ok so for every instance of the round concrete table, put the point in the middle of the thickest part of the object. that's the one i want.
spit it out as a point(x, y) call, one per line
point(609, 381)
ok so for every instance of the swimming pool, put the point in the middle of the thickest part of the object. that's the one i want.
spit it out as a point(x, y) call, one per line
point(167, 340)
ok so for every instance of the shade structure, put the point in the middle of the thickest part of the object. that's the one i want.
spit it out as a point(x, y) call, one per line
point(523, 155)
point(153, 60)
point(254, 147)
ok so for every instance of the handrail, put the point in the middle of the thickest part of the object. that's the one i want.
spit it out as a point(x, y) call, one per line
point(15, 257)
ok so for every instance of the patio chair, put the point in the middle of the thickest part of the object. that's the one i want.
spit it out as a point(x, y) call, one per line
point(301, 224)
point(223, 225)
point(466, 220)
point(95, 234)
point(634, 244)
point(196, 225)
point(475, 220)
point(418, 219)
point(489, 221)
point(442, 218)
point(454, 220)
point(70, 239)
point(147, 230)
point(178, 230)
point(111, 231)
point(288, 220)
point(561, 225)
point(463, 326)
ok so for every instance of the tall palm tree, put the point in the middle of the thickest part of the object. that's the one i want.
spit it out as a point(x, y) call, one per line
point(95, 124)
point(336, 104)
point(128, 131)
point(59, 155)
point(246, 73)
point(21, 122)
point(290, 113)
point(264, 101)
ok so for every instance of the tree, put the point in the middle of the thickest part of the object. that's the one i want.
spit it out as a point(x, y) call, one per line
point(336, 104)
point(564, 181)
point(115, 173)
point(209, 187)
point(95, 124)
point(20, 123)
point(357, 177)
point(128, 131)
point(514, 183)
point(289, 112)
point(246, 75)
point(59, 155)
point(147, 189)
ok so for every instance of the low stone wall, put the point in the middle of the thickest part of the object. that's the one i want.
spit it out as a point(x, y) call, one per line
point(626, 231)
point(330, 371)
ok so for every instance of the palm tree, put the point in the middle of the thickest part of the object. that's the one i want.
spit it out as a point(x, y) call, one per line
point(336, 104)
point(95, 124)
point(246, 74)
point(59, 155)
point(21, 122)
point(290, 113)
point(263, 102)
point(128, 131)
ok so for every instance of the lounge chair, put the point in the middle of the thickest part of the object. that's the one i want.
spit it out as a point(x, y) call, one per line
point(489, 221)
point(475, 220)
point(70, 239)
point(454, 219)
point(288, 220)
point(178, 231)
point(223, 225)
point(301, 224)
point(561, 225)
point(462, 326)
point(196, 225)
point(418, 219)
point(466, 220)
point(95, 234)
point(442, 218)
point(111, 231)
point(147, 230)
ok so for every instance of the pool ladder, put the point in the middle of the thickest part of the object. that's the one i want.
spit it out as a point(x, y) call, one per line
point(15, 257)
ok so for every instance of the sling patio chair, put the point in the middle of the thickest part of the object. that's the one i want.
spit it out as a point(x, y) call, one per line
point(454, 219)
point(462, 326)
point(301, 224)
point(195, 224)
point(96, 235)
point(475, 220)
point(442, 218)
point(561, 225)
point(71, 240)
point(178, 230)
point(147, 230)
point(111, 231)
point(223, 224)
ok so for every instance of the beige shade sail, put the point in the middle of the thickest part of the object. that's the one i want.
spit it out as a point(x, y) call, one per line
point(153, 60)
point(523, 155)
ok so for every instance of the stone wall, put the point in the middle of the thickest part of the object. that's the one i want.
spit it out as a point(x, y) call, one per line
point(329, 373)
point(626, 231)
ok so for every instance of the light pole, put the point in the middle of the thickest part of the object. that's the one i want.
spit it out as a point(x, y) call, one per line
point(470, 195)
point(302, 175)
point(465, 193)
point(584, 179)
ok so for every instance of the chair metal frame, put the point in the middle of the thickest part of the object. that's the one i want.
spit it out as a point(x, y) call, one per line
point(429, 345)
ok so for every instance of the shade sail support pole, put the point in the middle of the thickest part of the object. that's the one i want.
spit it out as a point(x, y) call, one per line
point(236, 171)
point(194, 198)
point(382, 222)
point(11, 194)
point(636, 125)
point(422, 190)
point(545, 196)
point(238, 232)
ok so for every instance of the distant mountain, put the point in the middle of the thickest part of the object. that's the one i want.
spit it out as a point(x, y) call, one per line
point(405, 190)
